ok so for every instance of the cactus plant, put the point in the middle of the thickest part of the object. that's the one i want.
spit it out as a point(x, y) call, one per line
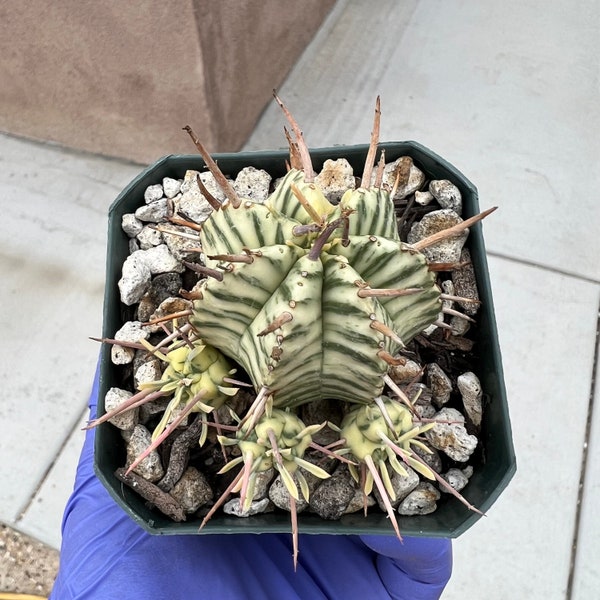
point(314, 301)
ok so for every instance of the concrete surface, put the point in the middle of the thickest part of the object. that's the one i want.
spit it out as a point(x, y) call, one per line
point(507, 93)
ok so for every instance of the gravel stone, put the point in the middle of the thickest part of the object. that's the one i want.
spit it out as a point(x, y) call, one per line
point(445, 251)
point(171, 187)
point(358, 502)
point(446, 194)
point(155, 212)
point(406, 373)
point(149, 237)
point(121, 355)
point(411, 177)
point(252, 184)
point(470, 389)
point(456, 478)
point(131, 225)
point(27, 566)
point(153, 193)
point(439, 383)
point(151, 467)
point(192, 204)
point(115, 397)
point(135, 278)
point(160, 260)
point(181, 246)
point(451, 438)
point(148, 371)
point(261, 483)
point(330, 500)
point(335, 178)
point(465, 284)
point(134, 245)
point(421, 501)
point(192, 491)
point(423, 198)
point(257, 507)
point(162, 286)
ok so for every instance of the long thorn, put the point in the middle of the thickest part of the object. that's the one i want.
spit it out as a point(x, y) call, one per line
point(214, 203)
point(387, 331)
point(168, 430)
point(391, 360)
point(308, 207)
point(181, 234)
point(446, 485)
point(222, 498)
point(331, 454)
point(396, 389)
point(214, 169)
point(236, 382)
point(456, 313)
point(123, 343)
point(241, 258)
point(303, 152)
point(385, 293)
point(459, 299)
point(294, 518)
point(451, 231)
point(295, 160)
point(185, 223)
point(176, 315)
point(135, 401)
point(257, 408)
point(370, 160)
point(380, 171)
point(383, 492)
point(214, 273)
point(386, 415)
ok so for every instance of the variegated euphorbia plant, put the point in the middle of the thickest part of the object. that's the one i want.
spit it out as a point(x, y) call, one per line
point(314, 301)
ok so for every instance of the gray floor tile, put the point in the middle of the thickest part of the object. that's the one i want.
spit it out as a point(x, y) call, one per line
point(586, 582)
point(43, 516)
point(522, 549)
point(52, 256)
point(485, 88)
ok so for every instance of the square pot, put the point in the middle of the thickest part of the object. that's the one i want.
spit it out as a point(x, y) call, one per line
point(497, 462)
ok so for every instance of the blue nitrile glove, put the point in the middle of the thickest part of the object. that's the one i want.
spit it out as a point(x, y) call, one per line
point(105, 555)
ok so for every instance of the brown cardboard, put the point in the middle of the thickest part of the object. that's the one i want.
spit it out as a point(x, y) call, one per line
point(122, 78)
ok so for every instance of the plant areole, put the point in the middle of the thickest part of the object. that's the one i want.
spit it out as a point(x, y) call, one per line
point(310, 298)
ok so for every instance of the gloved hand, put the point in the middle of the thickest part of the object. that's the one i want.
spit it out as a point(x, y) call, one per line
point(105, 555)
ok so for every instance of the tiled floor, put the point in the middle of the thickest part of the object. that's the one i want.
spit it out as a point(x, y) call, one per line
point(509, 94)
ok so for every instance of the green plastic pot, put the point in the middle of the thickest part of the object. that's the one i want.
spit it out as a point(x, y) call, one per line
point(497, 462)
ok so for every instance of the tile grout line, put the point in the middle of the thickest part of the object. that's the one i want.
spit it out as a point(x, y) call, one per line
point(584, 461)
point(21, 513)
point(531, 263)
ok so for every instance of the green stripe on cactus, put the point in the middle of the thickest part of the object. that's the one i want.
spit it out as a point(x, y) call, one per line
point(373, 213)
point(284, 201)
